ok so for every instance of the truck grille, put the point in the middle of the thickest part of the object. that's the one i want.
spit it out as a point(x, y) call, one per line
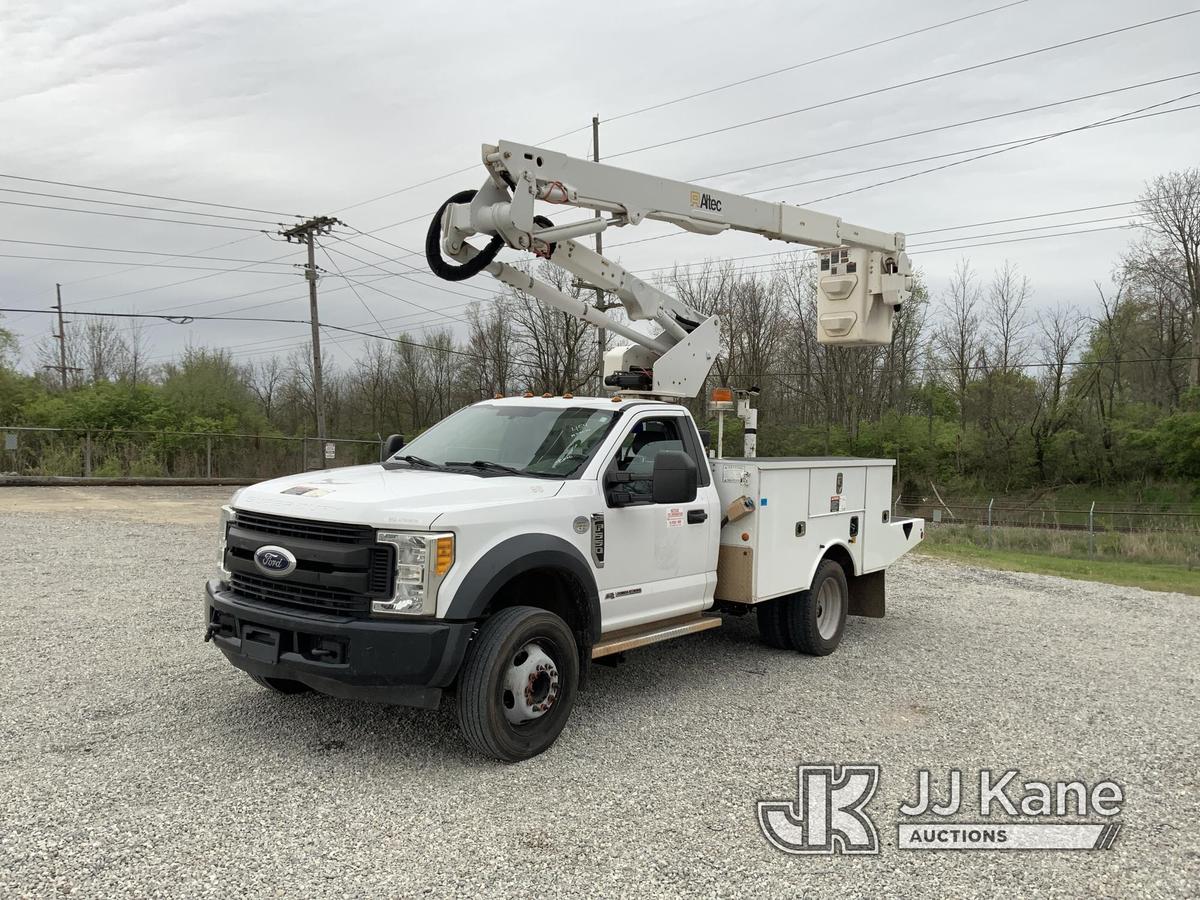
point(302, 528)
point(339, 570)
point(299, 596)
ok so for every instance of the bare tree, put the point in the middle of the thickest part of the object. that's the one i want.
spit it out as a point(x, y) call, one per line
point(1059, 331)
point(557, 351)
point(958, 334)
point(1007, 317)
point(490, 367)
point(1170, 207)
point(267, 379)
point(133, 365)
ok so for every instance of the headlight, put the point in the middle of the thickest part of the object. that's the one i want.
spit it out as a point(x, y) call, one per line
point(422, 561)
point(227, 516)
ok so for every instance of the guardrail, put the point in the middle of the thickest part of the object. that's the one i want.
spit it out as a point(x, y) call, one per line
point(125, 453)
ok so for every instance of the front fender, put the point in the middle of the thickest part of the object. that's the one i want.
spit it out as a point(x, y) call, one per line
point(513, 557)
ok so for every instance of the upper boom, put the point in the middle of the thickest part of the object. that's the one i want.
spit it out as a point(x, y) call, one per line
point(863, 276)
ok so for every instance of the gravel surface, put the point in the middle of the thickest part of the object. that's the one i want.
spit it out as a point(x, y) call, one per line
point(136, 760)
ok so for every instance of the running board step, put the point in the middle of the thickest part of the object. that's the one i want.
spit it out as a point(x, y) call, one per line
point(652, 633)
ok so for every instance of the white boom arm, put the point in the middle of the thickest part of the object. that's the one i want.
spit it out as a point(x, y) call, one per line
point(864, 274)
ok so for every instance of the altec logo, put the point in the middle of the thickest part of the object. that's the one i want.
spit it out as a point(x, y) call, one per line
point(705, 201)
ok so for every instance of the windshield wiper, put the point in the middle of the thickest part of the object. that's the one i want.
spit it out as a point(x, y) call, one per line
point(417, 462)
point(488, 465)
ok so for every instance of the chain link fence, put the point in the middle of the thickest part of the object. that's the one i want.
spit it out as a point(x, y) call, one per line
point(118, 453)
point(1167, 533)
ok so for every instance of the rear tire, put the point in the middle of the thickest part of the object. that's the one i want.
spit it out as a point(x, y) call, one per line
point(281, 685)
point(518, 683)
point(773, 625)
point(817, 618)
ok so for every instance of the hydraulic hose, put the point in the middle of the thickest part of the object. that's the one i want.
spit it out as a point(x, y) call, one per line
point(433, 247)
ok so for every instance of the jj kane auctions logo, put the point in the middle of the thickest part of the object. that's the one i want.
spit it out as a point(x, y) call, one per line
point(829, 814)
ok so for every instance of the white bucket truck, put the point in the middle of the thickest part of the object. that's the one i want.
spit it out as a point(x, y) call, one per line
point(501, 552)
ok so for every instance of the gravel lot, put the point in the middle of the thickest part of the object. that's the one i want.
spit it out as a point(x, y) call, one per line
point(137, 761)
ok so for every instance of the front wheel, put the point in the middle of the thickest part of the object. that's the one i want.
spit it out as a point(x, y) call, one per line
point(518, 683)
point(818, 616)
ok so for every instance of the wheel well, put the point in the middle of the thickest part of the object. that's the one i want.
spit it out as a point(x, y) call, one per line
point(842, 557)
point(552, 589)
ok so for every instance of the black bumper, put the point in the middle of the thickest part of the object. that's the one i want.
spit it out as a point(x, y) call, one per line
point(405, 663)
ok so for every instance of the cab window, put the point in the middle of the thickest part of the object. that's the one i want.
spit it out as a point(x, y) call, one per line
point(646, 440)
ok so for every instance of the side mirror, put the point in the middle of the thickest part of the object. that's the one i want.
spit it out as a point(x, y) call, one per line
point(393, 445)
point(706, 438)
point(674, 477)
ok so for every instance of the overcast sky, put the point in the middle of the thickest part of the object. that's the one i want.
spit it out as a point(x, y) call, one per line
point(315, 107)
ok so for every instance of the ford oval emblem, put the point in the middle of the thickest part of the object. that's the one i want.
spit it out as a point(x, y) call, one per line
point(275, 561)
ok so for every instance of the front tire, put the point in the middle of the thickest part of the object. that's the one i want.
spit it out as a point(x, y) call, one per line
point(817, 618)
point(518, 683)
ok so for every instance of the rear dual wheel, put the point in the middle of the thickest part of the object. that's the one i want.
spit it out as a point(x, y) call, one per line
point(811, 621)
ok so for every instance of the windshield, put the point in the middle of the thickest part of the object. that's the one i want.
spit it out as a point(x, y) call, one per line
point(546, 441)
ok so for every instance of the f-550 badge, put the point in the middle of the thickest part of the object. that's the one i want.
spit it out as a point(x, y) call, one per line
point(598, 540)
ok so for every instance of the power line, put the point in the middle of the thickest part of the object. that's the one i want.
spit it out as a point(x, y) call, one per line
point(89, 187)
point(350, 284)
point(1030, 143)
point(791, 68)
point(1104, 123)
point(100, 212)
point(924, 131)
point(367, 264)
point(466, 353)
point(288, 343)
point(121, 262)
point(185, 212)
point(782, 253)
point(1130, 117)
point(137, 252)
point(666, 103)
point(379, 290)
point(906, 84)
point(134, 268)
point(972, 237)
point(409, 275)
point(772, 266)
point(911, 162)
point(1035, 237)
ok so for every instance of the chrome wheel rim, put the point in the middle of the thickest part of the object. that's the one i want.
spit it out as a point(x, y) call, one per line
point(531, 684)
point(829, 609)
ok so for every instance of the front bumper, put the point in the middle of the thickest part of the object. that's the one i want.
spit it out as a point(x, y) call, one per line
point(400, 662)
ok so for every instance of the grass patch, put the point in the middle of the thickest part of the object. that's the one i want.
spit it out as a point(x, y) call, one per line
point(1153, 576)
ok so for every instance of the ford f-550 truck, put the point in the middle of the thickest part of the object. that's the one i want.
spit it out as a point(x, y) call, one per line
point(512, 544)
point(519, 539)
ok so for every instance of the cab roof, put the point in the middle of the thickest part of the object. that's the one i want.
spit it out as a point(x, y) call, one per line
point(619, 402)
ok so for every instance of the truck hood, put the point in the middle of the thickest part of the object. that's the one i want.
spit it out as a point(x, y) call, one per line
point(381, 498)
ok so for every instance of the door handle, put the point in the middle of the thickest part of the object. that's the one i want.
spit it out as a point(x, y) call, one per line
point(696, 516)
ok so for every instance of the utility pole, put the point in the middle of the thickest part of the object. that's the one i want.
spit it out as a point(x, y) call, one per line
point(602, 335)
point(306, 233)
point(61, 337)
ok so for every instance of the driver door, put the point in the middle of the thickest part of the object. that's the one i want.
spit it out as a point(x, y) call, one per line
point(660, 559)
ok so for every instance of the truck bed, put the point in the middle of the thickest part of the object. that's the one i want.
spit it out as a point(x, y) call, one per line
point(803, 509)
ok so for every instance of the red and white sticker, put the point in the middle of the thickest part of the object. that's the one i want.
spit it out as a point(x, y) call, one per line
point(674, 517)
